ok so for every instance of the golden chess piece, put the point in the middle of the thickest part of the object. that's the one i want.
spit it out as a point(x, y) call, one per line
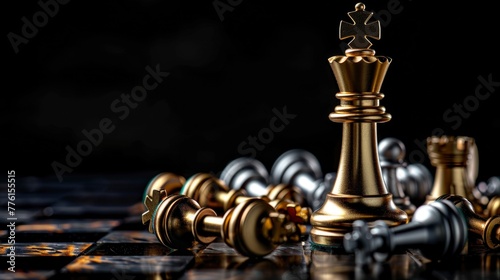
point(488, 230)
point(359, 191)
point(169, 182)
point(450, 155)
point(165, 183)
point(253, 228)
point(209, 191)
point(493, 207)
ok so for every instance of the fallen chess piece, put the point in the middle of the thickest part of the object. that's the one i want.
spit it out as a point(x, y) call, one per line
point(169, 182)
point(493, 207)
point(251, 175)
point(302, 169)
point(487, 230)
point(253, 228)
point(437, 229)
point(209, 191)
point(162, 184)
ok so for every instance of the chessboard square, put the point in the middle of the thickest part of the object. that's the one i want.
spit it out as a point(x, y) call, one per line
point(28, 275)
point(289, 249)
point(62, 231)
point(219, 248)
point(74, 225)
point(75, 211)
point(37, 237)
point(99, 199)
point(23, 216)
point(72, 249)
point(39, 256)
point(129, 236)
point(128, 249)
point(242, 268)
point(129, 265)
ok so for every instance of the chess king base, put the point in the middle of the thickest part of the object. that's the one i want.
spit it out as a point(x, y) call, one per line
point(329, 229)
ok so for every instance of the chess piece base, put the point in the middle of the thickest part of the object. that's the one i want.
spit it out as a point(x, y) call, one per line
point(339, 211)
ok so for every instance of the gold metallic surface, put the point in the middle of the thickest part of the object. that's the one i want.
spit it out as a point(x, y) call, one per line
point(158, 188)
point(487, 229)
point(254, 228)
point(359, 191)
point(169, 182)
point(244, 226)
point(151, 202)
point(209, 191)
point(177, 222)
point(450, 155)
point(285, 191)
point(493, 207)
point(473, 163)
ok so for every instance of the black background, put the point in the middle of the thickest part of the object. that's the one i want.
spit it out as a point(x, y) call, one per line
point(227, 74)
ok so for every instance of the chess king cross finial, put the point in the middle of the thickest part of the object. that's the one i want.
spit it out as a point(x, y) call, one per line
point(361, 29)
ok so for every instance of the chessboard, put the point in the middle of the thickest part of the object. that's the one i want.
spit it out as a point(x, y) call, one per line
point(89, 227)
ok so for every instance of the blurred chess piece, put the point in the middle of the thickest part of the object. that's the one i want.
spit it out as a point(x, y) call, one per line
point(493, 207)
point(302, 169)
point(252, 176)
point(416, 181)
point(392, 153)
point(486, 230)
point(450, 155)
point(210, 191)
point(438, 230)
point(484, 192)
point(359, 191)
point(253, 228)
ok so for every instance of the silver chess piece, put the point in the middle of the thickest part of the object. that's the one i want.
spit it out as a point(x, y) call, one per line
point(485, 191)
point(438, 230)
point(251, 175)
point(416, 181)
point(392, 152)
point(302, 169)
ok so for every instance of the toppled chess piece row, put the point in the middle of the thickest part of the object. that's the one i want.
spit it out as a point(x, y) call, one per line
point(250, 214)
